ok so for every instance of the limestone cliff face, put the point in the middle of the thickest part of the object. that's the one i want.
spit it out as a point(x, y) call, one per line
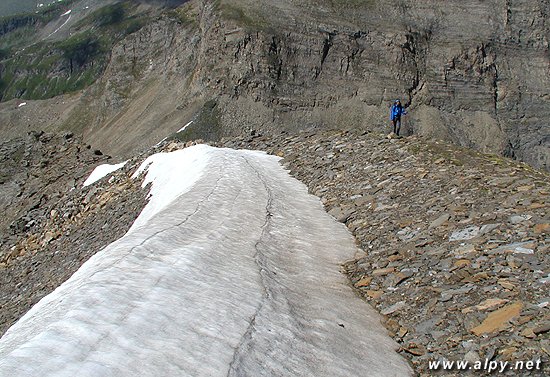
point(473, 72)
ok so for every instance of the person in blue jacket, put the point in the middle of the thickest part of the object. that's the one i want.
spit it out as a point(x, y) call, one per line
point(395, 115)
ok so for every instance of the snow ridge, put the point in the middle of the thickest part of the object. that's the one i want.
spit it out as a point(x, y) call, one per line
point(234, 271)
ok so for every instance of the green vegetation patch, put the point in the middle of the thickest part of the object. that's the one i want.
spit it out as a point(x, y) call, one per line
point(109, 15)
point(81, 48)
point(44, 70)
point(186, 15)
point(117, 19)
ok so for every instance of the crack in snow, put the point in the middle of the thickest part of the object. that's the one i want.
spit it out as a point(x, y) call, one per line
point(260, 261)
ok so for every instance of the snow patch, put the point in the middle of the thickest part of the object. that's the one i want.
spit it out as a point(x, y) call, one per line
point(59, 28)
point(160, 142)
point(66, 13)
point(171, 174)
point(22, 104)
point(184, 127)
point(101, 171)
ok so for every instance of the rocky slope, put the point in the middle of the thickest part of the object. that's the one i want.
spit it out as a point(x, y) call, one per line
point(455, 243)
point(50, 223)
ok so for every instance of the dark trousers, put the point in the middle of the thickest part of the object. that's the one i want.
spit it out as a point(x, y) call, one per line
point(396, 125)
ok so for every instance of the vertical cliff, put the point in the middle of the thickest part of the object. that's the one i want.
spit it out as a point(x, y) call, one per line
point(472, 72)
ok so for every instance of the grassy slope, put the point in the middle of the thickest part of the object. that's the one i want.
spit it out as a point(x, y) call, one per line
point(46, 69)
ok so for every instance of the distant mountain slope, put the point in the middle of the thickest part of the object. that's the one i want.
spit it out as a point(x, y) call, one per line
point(11, 7)
point(474, 73)
point(63, 48)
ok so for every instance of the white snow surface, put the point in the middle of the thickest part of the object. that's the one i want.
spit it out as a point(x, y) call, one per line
point(184, 127)
point(172, 174)
point(235, 275)
point(160, 142)
point(102, 171)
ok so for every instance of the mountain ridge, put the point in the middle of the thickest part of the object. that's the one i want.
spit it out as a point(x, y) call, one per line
point(447, 235)
point(450, 235)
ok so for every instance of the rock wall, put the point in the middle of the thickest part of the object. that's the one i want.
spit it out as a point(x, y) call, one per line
point(475, 73)
point(471, 72)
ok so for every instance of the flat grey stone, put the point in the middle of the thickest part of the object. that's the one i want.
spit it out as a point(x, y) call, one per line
point(518, 219)
point(465, 234)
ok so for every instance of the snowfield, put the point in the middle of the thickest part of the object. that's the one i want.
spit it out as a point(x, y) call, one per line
point(102, 171)
point(232, 269)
